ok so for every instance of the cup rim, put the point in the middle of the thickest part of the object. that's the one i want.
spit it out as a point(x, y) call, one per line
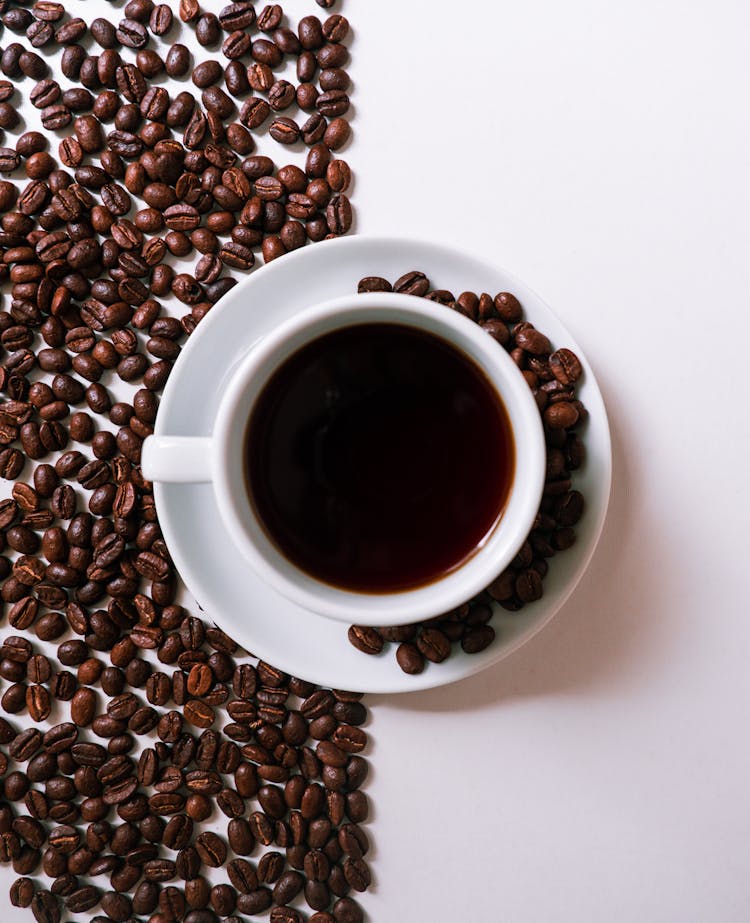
point(390, 608)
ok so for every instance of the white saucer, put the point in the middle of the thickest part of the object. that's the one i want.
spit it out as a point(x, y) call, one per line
point(293, 639)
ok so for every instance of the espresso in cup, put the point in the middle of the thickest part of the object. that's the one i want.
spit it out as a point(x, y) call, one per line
point(375, 459)
point(378, 458)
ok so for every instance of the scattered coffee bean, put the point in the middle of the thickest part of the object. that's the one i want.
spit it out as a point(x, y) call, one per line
point(552, 377)
point(88, 255)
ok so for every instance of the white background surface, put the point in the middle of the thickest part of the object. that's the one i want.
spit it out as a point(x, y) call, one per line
point(599, 151)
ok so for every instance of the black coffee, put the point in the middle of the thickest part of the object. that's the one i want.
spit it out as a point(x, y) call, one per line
point(379, 458)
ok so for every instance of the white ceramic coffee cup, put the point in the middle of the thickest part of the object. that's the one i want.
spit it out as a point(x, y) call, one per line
point(220, 459)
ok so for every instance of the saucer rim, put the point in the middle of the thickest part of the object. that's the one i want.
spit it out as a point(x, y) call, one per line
point(435, 674)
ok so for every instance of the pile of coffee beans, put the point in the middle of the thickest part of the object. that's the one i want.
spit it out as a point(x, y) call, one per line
point(150, 768)
point(118, 804)
point(552, 374)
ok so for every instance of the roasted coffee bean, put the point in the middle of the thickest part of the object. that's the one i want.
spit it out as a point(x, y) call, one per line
point(236, 81)
point(149, 63)
point(336, 135)
point(336, 28)
point(32, 65)
point(45, 907)
point(332, 55)
point(287, 887)
point(310, 32)
point(477, 639)
point(217, 101)
point(9, 160)
point(281, 95)
point(284, 130)
point(345, 910)
point(22, 892)
point(314, 128)
point(104, 33)
point(306, 96)
point(433, 645)
point(266, 52)
point(410, 658)
point(240, 15)
point(211, 849)
point(561, 415)
point(365, 639)
point(160, 19)
point(339, 214)
point(132, 33)
point(45, 93)
point(236, 45)
point(207, 73)
point(177, 61)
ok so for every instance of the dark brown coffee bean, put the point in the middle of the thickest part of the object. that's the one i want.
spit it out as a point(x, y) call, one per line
point(26, 744)
point(104, 33)
point(236, 45)
point(336, 135)
point(339, 214)
point(433, 645)
point(45, 907)
point(211, 849)
point(12, 461)
point(477, 639)
point(365, 639)
point(266, 52)
point(292, 235)
point(284, 130)
point(149, 63)
point(332, 55)
point(207, 73)
point(160, 19)
point(287, 887)
point(336, 28)
point(287, 41)
point(132, 33)
point(22, 892)
point(17, 20)
point(412, 283)
point(310, 32)
point(281, 95)
point(32, 65)
point(569, 508)
point(56, 117)
point(9, 160)
point(357, 873)
point(332, 103)
point(9, 62)
point(177, 61)
point(372, 283)
point(217, 101)
point(159, 870)
point(255, 902)
point(237, 256)
point(313, 129)
point(286, 915)
point(565, 366)
point(118, 907)
point(240, 836)
point(240, 15)
point(561, 415)
point(409, 658)
point(334, 78)
point(528, 586)
point(260, 77)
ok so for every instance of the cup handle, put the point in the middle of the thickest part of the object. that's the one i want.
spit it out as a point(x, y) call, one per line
point(177, 459)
